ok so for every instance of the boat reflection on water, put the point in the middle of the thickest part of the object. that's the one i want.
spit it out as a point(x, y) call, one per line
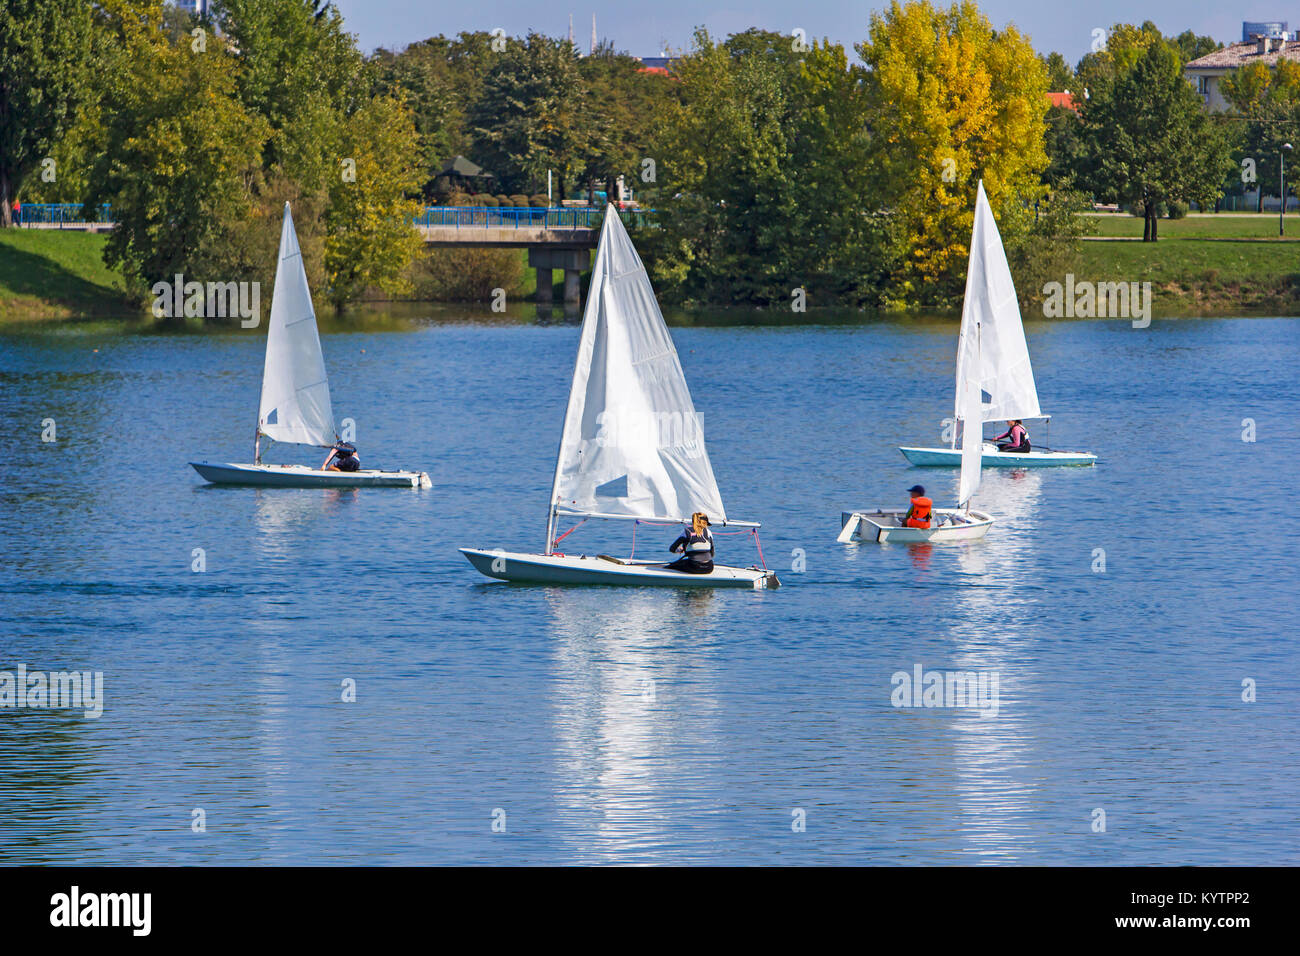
point(993, 756)
point(635, 710)
point(1012, 497)
point(281, 515)
point(921, 555)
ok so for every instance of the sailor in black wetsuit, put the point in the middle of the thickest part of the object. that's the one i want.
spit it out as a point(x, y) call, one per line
point(344, 458)
point(696, 545)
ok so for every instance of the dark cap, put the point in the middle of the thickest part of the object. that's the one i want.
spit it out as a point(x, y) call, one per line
point(916, 490)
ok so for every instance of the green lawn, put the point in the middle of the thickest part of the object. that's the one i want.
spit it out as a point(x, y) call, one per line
point(1224, 264)
point(1208, 225)
point(50, 273)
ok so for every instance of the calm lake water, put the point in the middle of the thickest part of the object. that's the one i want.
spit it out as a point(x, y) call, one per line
point(645, 726)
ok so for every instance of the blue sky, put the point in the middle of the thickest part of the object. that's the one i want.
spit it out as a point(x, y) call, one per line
point(644, 27)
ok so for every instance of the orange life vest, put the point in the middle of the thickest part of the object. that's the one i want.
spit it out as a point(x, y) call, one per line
point(920, 513)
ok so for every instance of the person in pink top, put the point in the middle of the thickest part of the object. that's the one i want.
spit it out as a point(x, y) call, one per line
point(1018, 438)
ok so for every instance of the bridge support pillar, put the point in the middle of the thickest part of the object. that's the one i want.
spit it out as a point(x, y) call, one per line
point(573, 261)
point(544, 289)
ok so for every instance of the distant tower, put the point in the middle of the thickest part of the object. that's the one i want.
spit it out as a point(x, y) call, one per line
point(593, 34)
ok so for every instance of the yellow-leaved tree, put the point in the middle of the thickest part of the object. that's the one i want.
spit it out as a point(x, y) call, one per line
point(951, 101)
point(371, 239)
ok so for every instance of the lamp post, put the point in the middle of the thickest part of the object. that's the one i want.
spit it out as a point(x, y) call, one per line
point(1281, 183)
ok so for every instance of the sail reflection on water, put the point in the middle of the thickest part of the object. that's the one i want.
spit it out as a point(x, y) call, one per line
point(635, 714)
point(995, 775)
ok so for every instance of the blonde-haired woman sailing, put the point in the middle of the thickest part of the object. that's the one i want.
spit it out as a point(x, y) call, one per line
point(696, 545)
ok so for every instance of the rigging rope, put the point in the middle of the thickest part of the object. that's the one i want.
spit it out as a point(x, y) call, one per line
point(569, 532)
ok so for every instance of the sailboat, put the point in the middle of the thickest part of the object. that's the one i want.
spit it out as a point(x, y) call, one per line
point(986, 292)
point(295, 405)
point(631, 447)
point(947, 525)
point(1005, 374)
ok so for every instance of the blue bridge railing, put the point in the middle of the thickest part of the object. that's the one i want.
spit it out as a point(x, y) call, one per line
point(506, 217)
point(521, 217)
point(60, 213)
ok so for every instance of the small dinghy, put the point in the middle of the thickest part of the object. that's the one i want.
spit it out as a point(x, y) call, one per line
point(992, 458)
point(300, 476)
point(948, 525)
point(1005, 375)
point(632, 448)
point(295, 406)
point(604, 569)
point(960, 523)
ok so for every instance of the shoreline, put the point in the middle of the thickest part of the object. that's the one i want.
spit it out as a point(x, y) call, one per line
point(56, 277)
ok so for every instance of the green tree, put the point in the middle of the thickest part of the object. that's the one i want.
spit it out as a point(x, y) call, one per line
point(1268, 104)
point(440, 79)
point(43, 79)
point(1064, 145)
point(763, 182)
point(1060, 75)
point(423, 75)
point(1193, 47)
point(180, 157)
point(528, 117)
point(623, 104)
point(722, 176)
point(1148, 138)
point(300, 71)
point(370, 240)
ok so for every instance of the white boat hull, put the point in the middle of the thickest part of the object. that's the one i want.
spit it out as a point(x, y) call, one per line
point(300, 476)
point(584, 569)
point(883, 527)
point(992, 458)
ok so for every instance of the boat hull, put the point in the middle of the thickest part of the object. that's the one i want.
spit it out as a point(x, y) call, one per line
point(992, 458)
point(300, 476)
point(883, 527)
point(584, 569)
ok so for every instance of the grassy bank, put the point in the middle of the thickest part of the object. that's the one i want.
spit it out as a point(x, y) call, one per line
point(1225, 264)
point(1222, 264)
point(53, 274)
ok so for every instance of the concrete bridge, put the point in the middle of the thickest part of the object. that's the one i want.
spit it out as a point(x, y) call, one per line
point(555, 238)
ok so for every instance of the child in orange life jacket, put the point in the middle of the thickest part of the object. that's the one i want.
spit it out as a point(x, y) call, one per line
point(918, 516)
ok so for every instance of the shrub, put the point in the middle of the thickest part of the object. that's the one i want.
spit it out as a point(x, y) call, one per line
point(1177, 210)
point(539, 202)
point(469, 274)
point(483, 199)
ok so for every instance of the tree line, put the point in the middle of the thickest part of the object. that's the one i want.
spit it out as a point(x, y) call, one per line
point(773, 164)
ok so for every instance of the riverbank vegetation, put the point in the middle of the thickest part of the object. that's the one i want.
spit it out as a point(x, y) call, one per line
point(776, 166)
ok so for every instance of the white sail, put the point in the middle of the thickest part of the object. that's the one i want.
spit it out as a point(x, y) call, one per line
point(295, 404)
point(632, 443)
point(1005, 376)
point(972, 438)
